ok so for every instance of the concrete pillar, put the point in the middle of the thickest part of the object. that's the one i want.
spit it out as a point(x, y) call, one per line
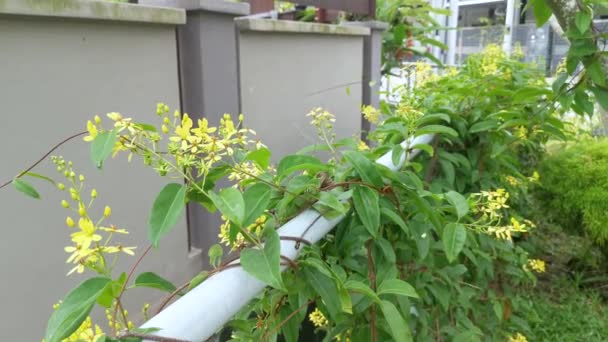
point(208, 66)
point(452, 33)
point(372, 64)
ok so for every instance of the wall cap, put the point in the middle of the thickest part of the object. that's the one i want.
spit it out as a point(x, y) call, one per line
point(372, 24)
point(219, 6)
point(94, 10)
point(270, 25)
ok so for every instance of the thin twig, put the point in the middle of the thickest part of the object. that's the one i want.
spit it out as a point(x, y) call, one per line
point(289, 317)
point(43, 157)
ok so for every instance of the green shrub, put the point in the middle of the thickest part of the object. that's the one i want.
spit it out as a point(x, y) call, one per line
point(574, 188)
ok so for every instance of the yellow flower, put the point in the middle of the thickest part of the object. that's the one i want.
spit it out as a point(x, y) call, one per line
point(86, 235)
point(537, 265)
point(203, 130)
point(362, 146)
point(78, 253)
point(183, 131)
point(113, 229)
point(119, 248)
point(512, 180)
point(518, 338)
point(370, 114)
point(317, 318)
point(92, 129)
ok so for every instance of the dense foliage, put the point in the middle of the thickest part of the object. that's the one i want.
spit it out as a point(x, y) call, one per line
point(574, 188)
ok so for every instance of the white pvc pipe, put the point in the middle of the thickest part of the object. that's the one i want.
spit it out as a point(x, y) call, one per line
point(200, 313)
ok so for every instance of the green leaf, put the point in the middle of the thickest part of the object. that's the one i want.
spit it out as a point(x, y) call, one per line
point(601, 95)
point(582, 20)
point(423, 147)
point(145, 127)
point(345, 302)
point(265, 265)
point(297, 162)
point(596, 71)
point(436, 129)
point(360, 287)
point(260, 156)
point(398, 287)
point(393, 216)
point(459, 202)
point(483, 126)
point(39, 176)
point(366, 202)
point(101, 147)
point(231, 203)
point(329, 205)
point(454, 237)
point(166, 210)
point(74, 309)
point(215, 254)
point(397, 325)
point(325, 287)
point(256, 198)
point(364, 167)
point(153, 280)
point(542, 12)
point(25, 188)
point(198, 279)
point(111, 291)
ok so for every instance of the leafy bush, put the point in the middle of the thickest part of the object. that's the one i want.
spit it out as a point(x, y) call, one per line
point(574, 188)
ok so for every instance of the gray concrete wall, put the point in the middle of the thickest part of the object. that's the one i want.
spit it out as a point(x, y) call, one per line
point(56, 74)
point(288, 68)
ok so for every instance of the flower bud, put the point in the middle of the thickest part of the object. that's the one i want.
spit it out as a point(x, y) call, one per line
point(107, 211)
point(164, 129)
point(65, 204)
point(69, 222)
point(81, 178)
point(60, 186)
point(97, 119)
point(93, 193)
point(81, 210)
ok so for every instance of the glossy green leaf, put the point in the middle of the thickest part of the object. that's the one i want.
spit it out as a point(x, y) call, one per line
point(483, 126)
point(101, 147)
point(582, 20)
point(398, 327)
point(111, 291)
point(393, 216)
point(74, 309)
point(436, 129)
point(215, 254)
point(397, 287)
point(329, 205)
point(325, 287)
point(596, 71)
point(298, 162)
point(542, 12)
point(25, 188)
point(153, 280)
point(453, 238)
point(459, 202)
point(366, 202)
point(39, 176)
point(257, 198)
point(231, 204)
point(364, 167)
point(166, 210)
point(264, 264)
point(260, 156)
point(362, 288)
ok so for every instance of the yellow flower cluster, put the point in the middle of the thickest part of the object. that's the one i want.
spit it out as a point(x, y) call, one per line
point(87, 250)
point(244, 171)
point(506, 232)
point(317, 318)
point(254, 229)
point(512, 180)
point(491, 58)
point(536, 265)
point(518, 338)
point(424, 74)
point(489, 203)
point(362, 146)
point(194, 148)
point(407, 111)
point(371, 114)
point(123, 317)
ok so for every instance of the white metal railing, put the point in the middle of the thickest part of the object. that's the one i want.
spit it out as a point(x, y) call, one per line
point(200, 313)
